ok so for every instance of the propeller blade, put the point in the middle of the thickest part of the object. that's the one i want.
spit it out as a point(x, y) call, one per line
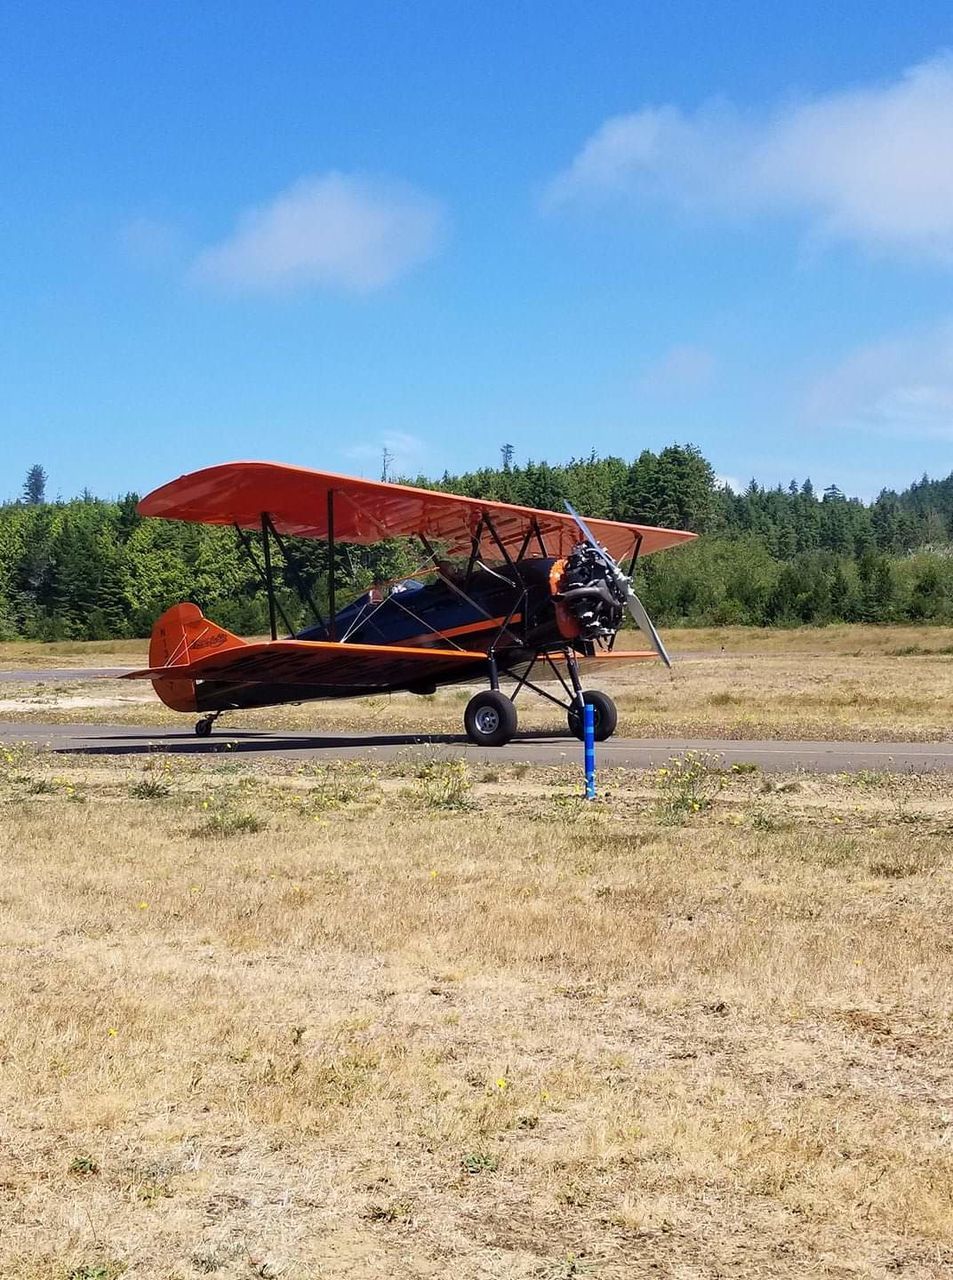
point(587, 534)
point(645, 623)
point(636, 607)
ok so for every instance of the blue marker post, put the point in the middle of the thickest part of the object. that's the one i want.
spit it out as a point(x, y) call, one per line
point(589, 737)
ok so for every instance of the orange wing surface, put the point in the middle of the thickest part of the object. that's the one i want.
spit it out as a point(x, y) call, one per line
point(316, 662)
point(607, 659)
point(187, 647)
point(299, 501)
point(370, 666)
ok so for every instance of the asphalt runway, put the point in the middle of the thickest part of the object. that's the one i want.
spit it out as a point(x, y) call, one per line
point(544, 749)
point(59, 675)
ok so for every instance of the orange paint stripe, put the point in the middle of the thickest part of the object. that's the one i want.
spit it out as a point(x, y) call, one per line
point(484, 624)
point(303, 648)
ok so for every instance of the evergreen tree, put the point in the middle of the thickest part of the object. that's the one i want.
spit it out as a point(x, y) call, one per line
point(34, 486)
point(90, 569)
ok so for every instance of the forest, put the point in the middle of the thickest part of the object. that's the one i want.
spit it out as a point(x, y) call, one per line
point(91, 568)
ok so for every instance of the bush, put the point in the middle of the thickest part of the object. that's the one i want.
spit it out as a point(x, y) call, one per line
point(688, 785)
point(446, 784)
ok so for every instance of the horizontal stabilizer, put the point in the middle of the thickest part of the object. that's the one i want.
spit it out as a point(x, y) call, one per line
point(319, 663)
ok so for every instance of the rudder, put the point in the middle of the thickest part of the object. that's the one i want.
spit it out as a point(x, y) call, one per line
point(181, 635)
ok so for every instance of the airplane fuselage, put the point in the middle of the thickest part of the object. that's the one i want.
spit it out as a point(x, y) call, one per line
point(511, 609)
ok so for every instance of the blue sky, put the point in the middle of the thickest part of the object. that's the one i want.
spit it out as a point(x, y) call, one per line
point(307, 232)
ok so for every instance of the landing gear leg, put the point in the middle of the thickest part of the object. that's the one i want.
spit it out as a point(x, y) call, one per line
point(576, 683)
point(203, 727)
point(605, 715)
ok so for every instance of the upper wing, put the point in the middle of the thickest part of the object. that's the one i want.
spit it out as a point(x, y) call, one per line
point(296, 500)
point(319, 663)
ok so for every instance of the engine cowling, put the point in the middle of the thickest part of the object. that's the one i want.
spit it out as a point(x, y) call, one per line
point(590, 594)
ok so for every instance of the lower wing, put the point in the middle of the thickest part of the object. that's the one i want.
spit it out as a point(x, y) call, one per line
point(319, 662)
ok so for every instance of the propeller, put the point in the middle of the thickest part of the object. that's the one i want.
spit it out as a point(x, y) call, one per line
point(636, 607)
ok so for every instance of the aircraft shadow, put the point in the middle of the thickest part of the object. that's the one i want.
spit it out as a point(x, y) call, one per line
point(238, 743)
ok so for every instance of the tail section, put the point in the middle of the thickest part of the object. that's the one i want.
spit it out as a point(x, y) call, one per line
point(180, 636)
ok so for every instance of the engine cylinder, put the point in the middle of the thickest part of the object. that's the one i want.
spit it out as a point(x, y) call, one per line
point(589, 591)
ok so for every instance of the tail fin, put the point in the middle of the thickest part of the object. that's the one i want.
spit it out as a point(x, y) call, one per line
point(180, 636)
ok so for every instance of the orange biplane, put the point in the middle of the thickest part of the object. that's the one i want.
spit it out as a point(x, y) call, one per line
point(510, 591)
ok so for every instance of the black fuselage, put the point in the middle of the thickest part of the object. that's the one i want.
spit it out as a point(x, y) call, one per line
point(509, 609)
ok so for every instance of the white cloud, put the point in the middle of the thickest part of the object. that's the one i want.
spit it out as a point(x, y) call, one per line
point(330, 231)
point(682, 369)
point(901, 387)
point(730, 482)
point(872, 164)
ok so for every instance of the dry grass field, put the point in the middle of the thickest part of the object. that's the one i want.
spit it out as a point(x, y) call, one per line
point(836, 683)
point(422, 1022)
point(73, 653)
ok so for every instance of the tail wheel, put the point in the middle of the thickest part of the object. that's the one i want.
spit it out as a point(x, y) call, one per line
point(203, 728)
point(490, 719)
point(605, 715)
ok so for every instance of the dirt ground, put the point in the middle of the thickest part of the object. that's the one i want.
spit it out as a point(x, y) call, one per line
point(422, 1021)
point(854, 683)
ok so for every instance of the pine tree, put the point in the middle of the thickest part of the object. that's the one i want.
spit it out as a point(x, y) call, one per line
point(34, 486)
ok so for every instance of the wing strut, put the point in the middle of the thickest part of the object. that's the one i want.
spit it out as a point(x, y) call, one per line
point(635, 555)
point(303, 592)
point(431, 553)
point(269, 579)
point(265, 575)
point(498, 540)
point(332, 626)
point(474, 552)
point(539, 538)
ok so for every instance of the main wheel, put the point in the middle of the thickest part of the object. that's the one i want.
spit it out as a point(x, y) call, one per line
point(490, 719)
point(605, 715)
point(203, 728)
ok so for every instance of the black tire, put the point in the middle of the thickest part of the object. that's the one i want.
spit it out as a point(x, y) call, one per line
point(203, 728)
point(605, 715)
point(490, 719)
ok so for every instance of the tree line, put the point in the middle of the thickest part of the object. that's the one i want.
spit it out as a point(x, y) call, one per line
point(89, 568)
